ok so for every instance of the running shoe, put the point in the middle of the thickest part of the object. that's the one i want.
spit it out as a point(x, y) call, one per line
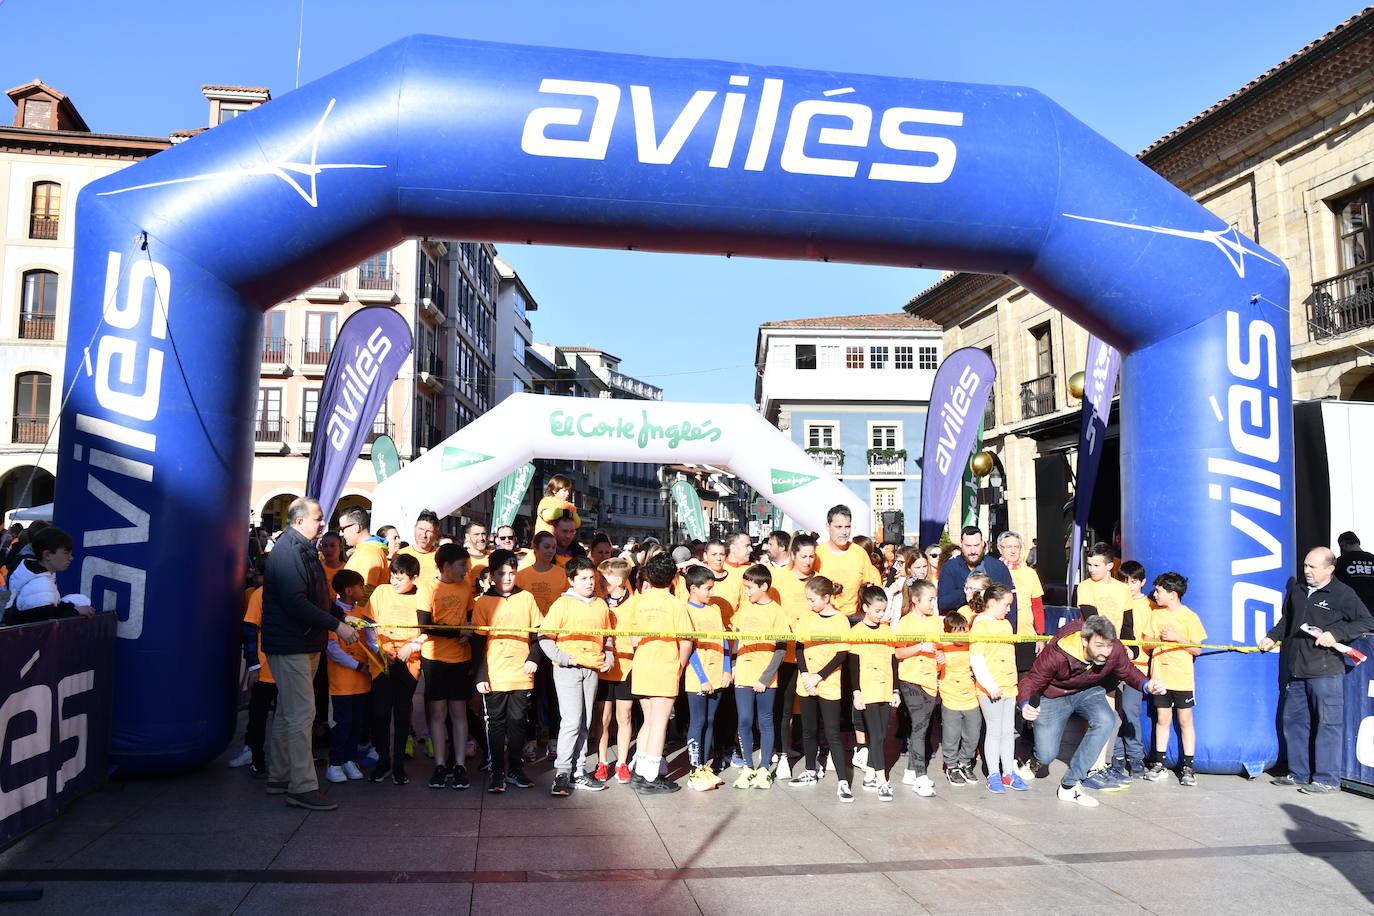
point(956, 776)
point(622, 774)
point(1155, 772)
point(352, 771)
point(842, 790)
point(439, 778)
point(398, 776)
point(1101, 781)
point(562, 785)
point(763, 779)
point(1076, 795)
point(1119, 774)
point(1319, 788)
point(457, 777)
point(603, 772)
point(804, 778)
point(588, 783)
point(410, 748)
point(1187, 776)
point(909, 777)
point(336, 774)
point(379, 773)
point(1015, 782)
point(994, 784)
point(860, 758)
point(497, 783)
point(884, 793)
point(659, 786)
point(429, 748)
point(517, 777)
point(745, 779)
point(924, 786)
point(870, 783)
point(703, 780)
point(242, 758)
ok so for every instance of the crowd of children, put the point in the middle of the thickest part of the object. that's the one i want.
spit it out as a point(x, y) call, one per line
point(728, 655)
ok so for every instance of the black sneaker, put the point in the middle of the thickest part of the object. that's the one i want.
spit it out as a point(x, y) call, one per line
point(956, 776)
point(659, 786)
point(498, 782)
point(562, 785)
point(1287, 781)
point(517, 777)
point(1319, 788)
point(379, 773)
point(439, 778)
point(589, 782)
point(636, 781)
point(399, 776)
point(457, 777)
point(1187, 776)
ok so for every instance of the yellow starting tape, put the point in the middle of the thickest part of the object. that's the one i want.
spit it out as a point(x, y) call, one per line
point(900, 639)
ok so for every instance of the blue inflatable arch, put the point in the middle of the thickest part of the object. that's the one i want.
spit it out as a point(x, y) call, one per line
point(178, 256)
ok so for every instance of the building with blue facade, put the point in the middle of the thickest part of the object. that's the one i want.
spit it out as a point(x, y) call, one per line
point(853, 392)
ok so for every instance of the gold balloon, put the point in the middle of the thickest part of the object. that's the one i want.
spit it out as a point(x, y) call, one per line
point(982, 464)
point(1076, 385)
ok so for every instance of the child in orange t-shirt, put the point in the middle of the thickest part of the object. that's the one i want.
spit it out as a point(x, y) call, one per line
point(708, 674)
point(918, 677)
point(506, 662)
point(446, 601)
point(261, 695)
point(820, 663)
point(960, 720)
point(874, 694)
point(399, 639)
point(756, 673)
point(350, 680)
point(1172, 622)
point(1128, 751)
point(658, 664)
point(994, 670)
point(613, 690)
point(556, 504)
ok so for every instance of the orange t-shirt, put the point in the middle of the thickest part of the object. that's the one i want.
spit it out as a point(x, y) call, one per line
point(999, 656)
point(820, 654)
point(920, 669)
point(752, 657)
point(396, 623)
point(349, 681)
point(732, 588)
point(875, 662)
point(253, 614)
point(1027, 583)
point(507, 652)
point(710, 652)
point(428, 568)
point(1111, 597)
point(791, 594)
point(369, 561)
point(329, 572)
point(956, 678)
point(475, 567)
point(1142, 618)
point(449, 604)
point(1174, 664)
point(624, 652)
point(851, 568)
point(544, 586)
point(571, 612)
point(656, 664)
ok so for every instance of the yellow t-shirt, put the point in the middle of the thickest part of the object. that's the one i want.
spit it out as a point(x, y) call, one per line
point(1110, 596)
point(920, 669)
point(710, 652)
point(819, 654)
point(507, 652)
point(1000, 656)
point(1173, 664)
point(428, 569)
point(396, 623)
point(475, 567)
point(875, 663)
point(570, 612)
point(624, 652)
point(1027, 584)
point(369, 561)
point(253, 614)
point(657, 670)
point(956, 678)
point(347, 681)
point(791, 594)
point(449, 604)
point(752, 658)
point(1142, 616)
point(329, 572)
point(545, 586)
point(731, 590)
point(550, 510)
point(851, 568)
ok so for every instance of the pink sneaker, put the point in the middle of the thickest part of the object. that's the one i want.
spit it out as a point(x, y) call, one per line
point(603, 772)
point(622, 773)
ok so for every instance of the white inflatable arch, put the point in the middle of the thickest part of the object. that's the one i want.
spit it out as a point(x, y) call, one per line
point(526, 426)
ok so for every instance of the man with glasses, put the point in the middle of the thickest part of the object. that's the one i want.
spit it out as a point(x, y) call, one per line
point(506, 540)
point(296, 623)
point(368, 555)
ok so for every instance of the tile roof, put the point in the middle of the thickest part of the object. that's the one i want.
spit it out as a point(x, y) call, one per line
point(263, 89)
point(883, 320)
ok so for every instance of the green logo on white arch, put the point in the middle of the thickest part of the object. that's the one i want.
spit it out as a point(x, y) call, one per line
point(455, 458)
point(789, 480)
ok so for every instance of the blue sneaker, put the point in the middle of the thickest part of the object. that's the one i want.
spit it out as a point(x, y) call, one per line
point(994, 783)
point(1015, 782)
point(1101, 781)
point(1123, 779)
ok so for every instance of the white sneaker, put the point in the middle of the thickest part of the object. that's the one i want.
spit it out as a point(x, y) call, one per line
point(242, 758)
point(1078, 796)
point(335, 774)
point(352, 770)
point(784, 769)
point(1026, 771)
point(909, 778)
point(860, 759)
point(924, 786)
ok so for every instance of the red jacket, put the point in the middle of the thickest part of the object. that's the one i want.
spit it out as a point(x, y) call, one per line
point(1060, 668)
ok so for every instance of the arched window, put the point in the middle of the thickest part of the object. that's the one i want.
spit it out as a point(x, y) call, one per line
point(32, 393)
point(38, 313)
point(45, 210)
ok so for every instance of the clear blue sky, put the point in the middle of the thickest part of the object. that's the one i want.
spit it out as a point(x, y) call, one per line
point(1133, 72)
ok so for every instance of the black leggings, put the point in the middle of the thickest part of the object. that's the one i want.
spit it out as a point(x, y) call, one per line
point(260, 700)
point(392, 694)
point(829, 711)
point(506, 712)
point(782, 707)
point(875, 716)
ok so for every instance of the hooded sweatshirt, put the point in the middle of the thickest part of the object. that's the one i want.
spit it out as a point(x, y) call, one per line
point(1061, 668)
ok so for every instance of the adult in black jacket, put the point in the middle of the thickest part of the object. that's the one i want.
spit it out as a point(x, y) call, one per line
point(296, 623)
point(972, 558)
point(1315, 670)
point(1355, 567)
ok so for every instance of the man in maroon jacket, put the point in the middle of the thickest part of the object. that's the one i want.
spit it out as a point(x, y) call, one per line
point(1071, 677)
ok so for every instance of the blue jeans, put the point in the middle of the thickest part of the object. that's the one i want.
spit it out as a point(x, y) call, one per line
point(1320, 746)
point(1089, 705)
point(1128, 745)
point(747, 703)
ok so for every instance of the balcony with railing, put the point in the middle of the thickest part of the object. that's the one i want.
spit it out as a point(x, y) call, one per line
point(270, 429)
point(886, 465)
point(1037, 397)
point(43, 227)
point(30, 429)
point(330, 289)
point(832, 459)
point(37, 327)
point(275, 351)
point(315, 352)
point(376, 286)
point(307, 429)
point(381, 426)
point(1341, 304)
